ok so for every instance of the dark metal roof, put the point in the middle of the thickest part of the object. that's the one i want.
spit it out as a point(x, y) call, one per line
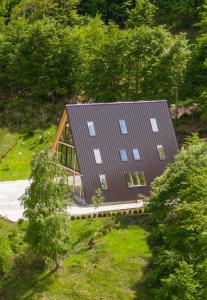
point(109, 140)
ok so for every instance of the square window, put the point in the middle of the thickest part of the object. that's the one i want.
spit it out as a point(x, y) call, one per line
point(91, 129)
point(123, 127)
point(123, 155)
point(161, 152)
point(136, 154)
point(97, 155)
point(135, 179)
point(103, 182)
point(153, 122)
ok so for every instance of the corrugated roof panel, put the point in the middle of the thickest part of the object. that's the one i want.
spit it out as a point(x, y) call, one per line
point(110, 140)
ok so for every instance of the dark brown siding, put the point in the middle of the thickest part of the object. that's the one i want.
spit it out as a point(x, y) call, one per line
point(109, 140)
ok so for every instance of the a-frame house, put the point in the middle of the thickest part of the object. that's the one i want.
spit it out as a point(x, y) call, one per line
point(120, 147)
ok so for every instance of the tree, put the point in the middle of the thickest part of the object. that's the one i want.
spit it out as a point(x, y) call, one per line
point(178, 15)
point(178, 240)
point(98, 198)
point(110, 10)
point(169, 74)
point(45, 207)
point(142, 14)
point(6, 7)
point(197, 71)
point(63, 11)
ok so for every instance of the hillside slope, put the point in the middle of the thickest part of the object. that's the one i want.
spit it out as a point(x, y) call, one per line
point(26, 126)
point(112, 269)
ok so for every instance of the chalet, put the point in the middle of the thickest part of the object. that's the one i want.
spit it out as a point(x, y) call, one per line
point(120, 147)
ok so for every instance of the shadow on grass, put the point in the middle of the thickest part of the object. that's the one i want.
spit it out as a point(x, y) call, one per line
point(142, 291)
point(26, 283)
point(125, 221)
point(25, 115)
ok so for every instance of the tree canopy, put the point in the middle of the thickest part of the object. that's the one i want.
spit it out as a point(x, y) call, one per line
point(103, 50)
point(178, 239)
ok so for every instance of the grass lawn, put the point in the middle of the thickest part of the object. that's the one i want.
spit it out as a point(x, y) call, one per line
point(7, 142)
point(26, 126)
point(111, 270)
point(18, 150)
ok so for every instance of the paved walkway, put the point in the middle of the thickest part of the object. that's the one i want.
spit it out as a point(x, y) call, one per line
point(12, 191)
point(10, 195)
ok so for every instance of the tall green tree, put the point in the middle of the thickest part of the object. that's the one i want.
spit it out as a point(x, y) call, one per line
point(195, 84)
point(169, 74)
point(142, 14)
point(64, 11)
point(178, 240)
point(6, 7)
point(178, 15)
point(110, 10)
point(45, 207)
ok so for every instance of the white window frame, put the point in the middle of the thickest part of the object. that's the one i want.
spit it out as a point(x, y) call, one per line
point(131, 175)
point(103, 182)
point(136, 154)
point(161, 147)
point(91, 128)
point(123, 127)
point(123, 154)
point(154, 125)
point(97, 155)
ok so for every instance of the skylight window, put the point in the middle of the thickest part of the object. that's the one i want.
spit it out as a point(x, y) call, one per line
point(123, 127)
point(153, 122)
point(123, 155)
point(97, 155)
point(161, 152)
point(136, 154)
point(91, 129)
point(103, 182)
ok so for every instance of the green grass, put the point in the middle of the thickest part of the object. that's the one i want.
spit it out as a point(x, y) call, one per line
point(5, 227)
point(111, 270)
point(26, 126)
point(16, 163)
point(7, 142)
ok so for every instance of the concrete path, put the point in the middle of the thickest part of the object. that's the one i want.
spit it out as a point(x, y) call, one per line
point(77, 210)
point(11, 193)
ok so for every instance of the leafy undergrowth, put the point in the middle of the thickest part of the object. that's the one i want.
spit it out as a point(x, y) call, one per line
point(111, 269)
point(16, 162)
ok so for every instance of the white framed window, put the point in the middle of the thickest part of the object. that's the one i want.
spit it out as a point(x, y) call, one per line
point(123, 155)
point(135, 179)
point(136, 154)
point(153, 122)
point(97, 155)
point(103, 182)
point(123, 127)
point(91, 128)
point(161, 152)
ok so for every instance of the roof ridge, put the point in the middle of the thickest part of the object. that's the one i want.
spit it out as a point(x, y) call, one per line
point(116, 103)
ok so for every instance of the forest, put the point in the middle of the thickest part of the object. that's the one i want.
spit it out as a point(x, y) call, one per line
point(104, 50)
point(54, 52)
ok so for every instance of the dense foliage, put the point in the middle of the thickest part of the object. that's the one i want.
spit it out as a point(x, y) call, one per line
point(51, 49)
point(45, 207)
point(178, 240)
